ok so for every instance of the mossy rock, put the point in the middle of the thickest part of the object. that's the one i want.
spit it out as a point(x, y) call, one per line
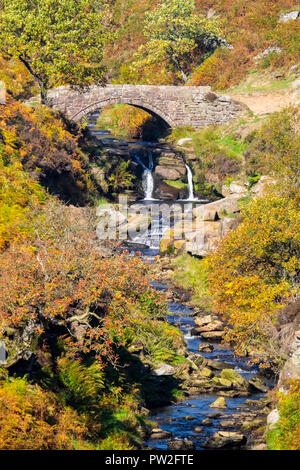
point(236, 379)
point(219, 403)
point(206, 372)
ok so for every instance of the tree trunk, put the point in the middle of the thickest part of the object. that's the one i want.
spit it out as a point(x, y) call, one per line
point(43, 88)
point(44, 94)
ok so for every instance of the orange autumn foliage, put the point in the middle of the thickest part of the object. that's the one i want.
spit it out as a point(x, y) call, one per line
point(31, 418)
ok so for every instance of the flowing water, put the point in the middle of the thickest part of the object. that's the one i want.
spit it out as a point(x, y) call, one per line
point(191, 196)
point(172, 418)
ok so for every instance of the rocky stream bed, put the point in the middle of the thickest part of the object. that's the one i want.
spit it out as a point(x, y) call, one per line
point(225, 402)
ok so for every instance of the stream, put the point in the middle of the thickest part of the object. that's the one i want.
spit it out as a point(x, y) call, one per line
point(173, 418)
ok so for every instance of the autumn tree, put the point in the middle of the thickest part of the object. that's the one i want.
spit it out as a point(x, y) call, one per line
point(176, 35)
point(58, 42)
point(255, 270)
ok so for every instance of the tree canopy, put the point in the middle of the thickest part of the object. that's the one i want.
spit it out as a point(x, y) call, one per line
point(175, 34)
point(58, 42)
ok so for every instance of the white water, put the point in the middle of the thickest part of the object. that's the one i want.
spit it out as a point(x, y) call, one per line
point(191, 196)
point(148, 183)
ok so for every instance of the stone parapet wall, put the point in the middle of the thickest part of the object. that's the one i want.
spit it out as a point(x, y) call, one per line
point(176, 105)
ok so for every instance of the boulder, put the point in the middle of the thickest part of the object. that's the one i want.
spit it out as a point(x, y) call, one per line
point(290, 16)
point(205, 347)
point(184, 141)
point(272, 418)
point(213, 335)
point(181, 444)
point(206, 372)
point(223, 439)
point(213, 326)
point(165, 369)
point(296, 92)
point(237, 381)
point(205, 238)
point(257, 384)
point(165, 191)
point(235, 188)
point(198, 429)
point(200, 321)
point(261, 186)
point(158, 433)
point(207, 422)
point(219, 403)
point(217, 209)
point(168, 173)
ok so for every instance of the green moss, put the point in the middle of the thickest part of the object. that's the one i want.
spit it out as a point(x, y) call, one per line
point(176, 184)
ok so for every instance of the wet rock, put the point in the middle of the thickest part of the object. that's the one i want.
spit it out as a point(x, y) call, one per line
point(229, 423)
point(205, 347)
point(165, 369)
point(189, 418)
point(237, 381)
point(232, 393)
point(213, 335)
point(223, 439)
point(217, 365)
point(217, 415)
point(213, 326)
point(198, 429)
point(219, 403)
point(158, 433)
point(178, 444)
point(257, 384)
point(206, 422)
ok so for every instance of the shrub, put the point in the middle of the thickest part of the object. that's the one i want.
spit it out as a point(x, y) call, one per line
point(286, 433)
point(40, 141)
point(254, 272)
point(32, 419)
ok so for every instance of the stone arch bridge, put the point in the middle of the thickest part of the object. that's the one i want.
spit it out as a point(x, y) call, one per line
point(176, 105)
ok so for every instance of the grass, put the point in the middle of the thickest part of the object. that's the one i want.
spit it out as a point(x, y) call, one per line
point(190, 274)
point(285, 435)
point(258, 81)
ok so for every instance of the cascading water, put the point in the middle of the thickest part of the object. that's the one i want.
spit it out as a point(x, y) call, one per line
point(148, 183)
point(191, 196)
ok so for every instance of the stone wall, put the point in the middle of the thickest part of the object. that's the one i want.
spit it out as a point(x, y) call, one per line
point(176, 105)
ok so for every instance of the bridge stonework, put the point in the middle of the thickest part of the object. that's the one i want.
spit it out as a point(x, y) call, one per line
point(176, 105)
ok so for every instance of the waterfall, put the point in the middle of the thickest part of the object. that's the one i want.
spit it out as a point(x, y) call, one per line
point(191, 196)
point(148, 183)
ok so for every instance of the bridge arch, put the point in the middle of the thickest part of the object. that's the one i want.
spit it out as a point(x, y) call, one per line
point(137, 103)
point(176, 105)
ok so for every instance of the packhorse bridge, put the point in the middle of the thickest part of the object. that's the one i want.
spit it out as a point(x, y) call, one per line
point(176, 105)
